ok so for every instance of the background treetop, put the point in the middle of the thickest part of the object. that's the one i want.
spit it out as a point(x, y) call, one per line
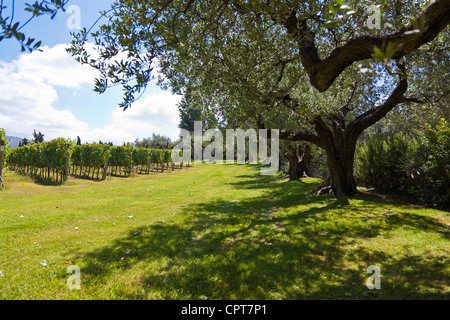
point(323, 37)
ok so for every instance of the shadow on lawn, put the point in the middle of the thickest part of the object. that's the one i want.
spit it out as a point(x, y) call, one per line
point(250, 249)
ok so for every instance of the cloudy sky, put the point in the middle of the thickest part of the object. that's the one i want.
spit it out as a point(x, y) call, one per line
point(50, 92)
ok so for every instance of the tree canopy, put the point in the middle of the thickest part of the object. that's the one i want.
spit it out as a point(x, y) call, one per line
point(11, 29)
point(157, 141)
point(181, 37)
point(322, 71)
point(316, 69)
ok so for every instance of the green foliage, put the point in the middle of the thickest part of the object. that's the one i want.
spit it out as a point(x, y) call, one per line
point(188, 113)
point(155, 142)
point(167, 154)
point(385, 163)
point(10, 29)
point(420, 167)
point(433, 165)
point(89, 155)
point(119, 156)
point(29, 155)
point(3, 137)
point(54, 153)
point(141, 156)
point(157, 155)
point(49, 155)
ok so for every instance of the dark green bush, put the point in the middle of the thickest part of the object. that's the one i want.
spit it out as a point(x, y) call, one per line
point(386, 164)
point(400, 163)
point(432, 165)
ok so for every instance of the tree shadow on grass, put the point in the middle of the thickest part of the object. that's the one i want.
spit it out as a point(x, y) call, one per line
point(270, 247)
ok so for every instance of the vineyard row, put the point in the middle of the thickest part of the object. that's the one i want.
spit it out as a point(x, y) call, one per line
point(59, 158)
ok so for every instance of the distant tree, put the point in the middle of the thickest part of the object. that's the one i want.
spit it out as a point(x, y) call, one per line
point(155, 142)
point(78, 141)
point(24, 142)
point(191, 109)
point(188, 113)
point(38, 137)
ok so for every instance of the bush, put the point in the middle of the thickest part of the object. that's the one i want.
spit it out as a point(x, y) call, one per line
point(433, 165)
point(317, 166)
point(386, 164)
point(420, 167)
point(141, 156)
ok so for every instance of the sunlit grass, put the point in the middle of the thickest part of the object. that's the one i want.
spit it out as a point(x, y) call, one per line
point(215, 232)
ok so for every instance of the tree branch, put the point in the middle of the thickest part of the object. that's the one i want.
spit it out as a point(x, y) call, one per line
point(370, 117)
point(322, 72)
point(415, 100)
point(301, 136)
point(345, 108)
point(286, 135)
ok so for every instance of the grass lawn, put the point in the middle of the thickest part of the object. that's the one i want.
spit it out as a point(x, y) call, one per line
point(215, 232)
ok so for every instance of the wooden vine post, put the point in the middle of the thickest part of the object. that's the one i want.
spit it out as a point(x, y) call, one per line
point(131, 159)
point(105, 168)
point(2, 156)
point(149, 164)
point(67, 172)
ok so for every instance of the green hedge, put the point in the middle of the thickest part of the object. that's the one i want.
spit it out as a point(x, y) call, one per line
point(52, 155)
point(119, 156)
point(40, 159)
point(90, 155)
point(419, 166)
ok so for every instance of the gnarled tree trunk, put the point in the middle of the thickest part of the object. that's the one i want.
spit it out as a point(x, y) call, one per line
point(340, 160)
point(338, 139)
point(298, 159)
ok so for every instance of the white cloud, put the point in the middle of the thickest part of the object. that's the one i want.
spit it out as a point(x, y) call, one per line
point(154, 113)
point(29, 90)
point(56, 67)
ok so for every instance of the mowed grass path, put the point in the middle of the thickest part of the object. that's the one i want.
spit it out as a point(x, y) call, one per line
point(215, 232)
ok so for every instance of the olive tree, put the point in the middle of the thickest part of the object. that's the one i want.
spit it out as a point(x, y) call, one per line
point(318, 70)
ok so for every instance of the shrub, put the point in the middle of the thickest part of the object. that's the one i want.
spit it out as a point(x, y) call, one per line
point(386, 164)
point(399, 163)
point(433, 165)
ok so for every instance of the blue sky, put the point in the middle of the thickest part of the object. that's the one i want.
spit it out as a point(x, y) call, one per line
point(50, 92)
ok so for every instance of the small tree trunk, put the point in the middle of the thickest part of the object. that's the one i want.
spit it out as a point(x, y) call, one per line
point(305, 155)
point(298, 159)
point(293, 173)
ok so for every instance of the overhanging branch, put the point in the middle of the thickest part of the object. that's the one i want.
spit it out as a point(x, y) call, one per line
point(322, 72)
point(370, 117)
point(301, 136)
